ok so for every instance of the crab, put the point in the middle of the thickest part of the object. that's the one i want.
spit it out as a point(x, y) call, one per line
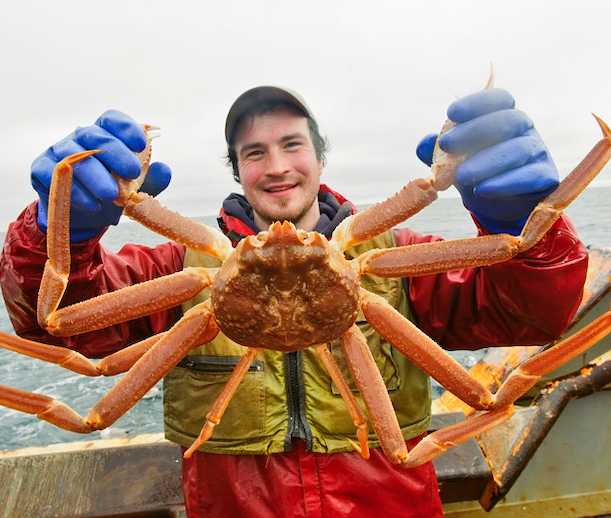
point(286, 289)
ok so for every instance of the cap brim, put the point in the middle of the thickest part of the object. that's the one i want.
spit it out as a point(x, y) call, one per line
point(252, 100)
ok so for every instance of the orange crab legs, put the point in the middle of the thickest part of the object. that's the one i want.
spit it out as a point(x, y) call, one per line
point(215, 414)
point(441, 256)
point(128, 303)
point(358, 418)
point(197, 327)
point(438, 442)
point(526, 375)
point(123, 304)
point(432, 359)
point(428, 356)
point(115, 363)
point(369, 381)
point(428, 258)
point(410, 200)
point(144, 209)
point(423, 351)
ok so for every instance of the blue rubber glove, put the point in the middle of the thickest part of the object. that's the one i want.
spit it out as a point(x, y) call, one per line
point(508, 169)
point(93, 187)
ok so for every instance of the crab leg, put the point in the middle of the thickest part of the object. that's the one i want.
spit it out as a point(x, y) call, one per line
point(548, 211)
point(215, 414)
point(410, 200)
point(115, 363)
point(57, 268)
point(438, 256)
point(79, 317)
point(524, 377)
point(423, 351)
point(61, 356)
point(122, 360)
point(128, 303)
point(195, 328)
point(44, 407)
point(442, 256)
point(374, 220)
point(149, 212)
point(438, 442)
point(358, 418)
point(369, 381)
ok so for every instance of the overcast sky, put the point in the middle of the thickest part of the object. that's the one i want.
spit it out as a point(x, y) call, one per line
point(378, 75)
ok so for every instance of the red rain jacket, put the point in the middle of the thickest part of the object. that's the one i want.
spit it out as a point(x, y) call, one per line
point(527, 300)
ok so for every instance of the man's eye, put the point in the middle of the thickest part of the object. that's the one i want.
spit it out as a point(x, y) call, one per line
point(254, 154)
point(292, 144)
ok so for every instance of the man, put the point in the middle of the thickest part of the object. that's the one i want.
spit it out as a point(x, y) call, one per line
point(282, 448)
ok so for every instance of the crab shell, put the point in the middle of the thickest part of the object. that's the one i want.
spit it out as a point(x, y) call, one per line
point(285, 289)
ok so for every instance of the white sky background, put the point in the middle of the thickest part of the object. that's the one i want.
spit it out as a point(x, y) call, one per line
point(378, 75)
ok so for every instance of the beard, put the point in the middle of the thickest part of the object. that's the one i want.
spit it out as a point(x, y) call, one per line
point(282, 212)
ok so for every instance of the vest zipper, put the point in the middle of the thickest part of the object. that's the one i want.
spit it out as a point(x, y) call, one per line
point(295, 396)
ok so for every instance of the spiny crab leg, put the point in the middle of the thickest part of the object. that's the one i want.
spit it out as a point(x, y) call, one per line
point(548, 211)
point(195, 328)
point(124, 359)
point(135, 301)
point(57, 268)
point(61, 356)
point(441, 256)
point(442, 440)
point(115, 363)
point(369, 381)
point(518, 382)
point(129, 303)
point(149, 212)
point(423, 351)
point(215, 414)
point(527, 374)
point(410, 200)
point(357, 415)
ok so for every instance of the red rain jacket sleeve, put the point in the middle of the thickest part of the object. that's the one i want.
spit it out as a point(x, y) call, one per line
point(94, 271)
point(527, 300)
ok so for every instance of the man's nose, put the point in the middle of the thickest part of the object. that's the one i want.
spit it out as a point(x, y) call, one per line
point(278, 163)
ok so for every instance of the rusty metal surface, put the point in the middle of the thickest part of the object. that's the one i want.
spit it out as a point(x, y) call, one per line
point(526, 433)
point(569, 475)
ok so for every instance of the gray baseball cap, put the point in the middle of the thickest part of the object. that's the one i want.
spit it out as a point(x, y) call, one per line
point(248, 102)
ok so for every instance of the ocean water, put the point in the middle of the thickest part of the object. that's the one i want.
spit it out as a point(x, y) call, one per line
point(591, 214)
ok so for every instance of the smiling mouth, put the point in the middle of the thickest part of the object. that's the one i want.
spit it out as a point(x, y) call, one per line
point(278, 189)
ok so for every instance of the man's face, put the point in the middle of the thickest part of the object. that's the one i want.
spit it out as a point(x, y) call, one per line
point(279, 172)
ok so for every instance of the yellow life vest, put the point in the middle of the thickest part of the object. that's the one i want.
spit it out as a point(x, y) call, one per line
point(257, 420)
